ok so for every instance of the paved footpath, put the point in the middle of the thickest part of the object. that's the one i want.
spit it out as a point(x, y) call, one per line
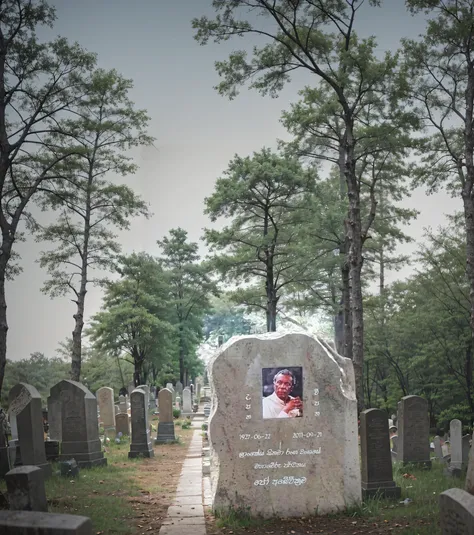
point(186, 512)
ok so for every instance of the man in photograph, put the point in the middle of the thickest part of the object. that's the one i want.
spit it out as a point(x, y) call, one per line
point(280, 404)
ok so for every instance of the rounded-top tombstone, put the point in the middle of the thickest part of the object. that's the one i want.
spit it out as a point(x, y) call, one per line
point(25, 405)
point(283, 432)
point(166, 423)
point(79, 424)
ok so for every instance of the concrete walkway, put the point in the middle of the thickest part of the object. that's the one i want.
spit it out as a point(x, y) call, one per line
point(186, 512)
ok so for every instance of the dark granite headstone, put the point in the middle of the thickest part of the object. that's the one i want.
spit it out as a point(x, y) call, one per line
point(456, 512)
point(25, 486)
point(122, 423)
point(140, 445)
point(79, 424)
point(377, 475)
point(51, 448)
point(414, 431)
point(25, 404)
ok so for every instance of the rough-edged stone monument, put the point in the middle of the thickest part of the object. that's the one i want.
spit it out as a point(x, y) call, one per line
point(140, 445)
point(26, 490)
point(79, 424)
point(456, 512)
point(105, 398)
point(283, 432)
point(166, 424)
point(25, 405)
point(413, 431)
point(377, 474)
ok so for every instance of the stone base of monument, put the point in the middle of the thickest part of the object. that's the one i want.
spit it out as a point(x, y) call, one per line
point(422, 465)
point(165, 433)
point(46, 468)
point(87, 454)
point(140, 450)
point(382, 489)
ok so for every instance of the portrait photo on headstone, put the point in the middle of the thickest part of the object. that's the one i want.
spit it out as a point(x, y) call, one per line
point(282, 392)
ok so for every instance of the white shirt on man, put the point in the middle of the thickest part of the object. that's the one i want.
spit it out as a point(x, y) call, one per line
point(273, 408)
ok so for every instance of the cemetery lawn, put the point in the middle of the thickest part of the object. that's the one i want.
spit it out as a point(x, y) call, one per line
point(375, 516)
point(128, 496)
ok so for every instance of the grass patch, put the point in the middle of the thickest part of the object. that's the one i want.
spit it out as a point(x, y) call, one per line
point(234, 518)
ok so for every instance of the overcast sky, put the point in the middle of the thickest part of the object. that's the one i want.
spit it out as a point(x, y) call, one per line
point(197, 133)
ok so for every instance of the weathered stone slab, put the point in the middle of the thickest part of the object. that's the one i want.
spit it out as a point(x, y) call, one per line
point(377, 474)
point(470, 470)
point(438, 449)
point(187, 404)
point(122, 423)
point(413, 431)
point(140, 445)
point(105, 398)
point(166, 424)
point(456, 512)
point(54, 418)
point(466, 448)
point(26, 491)
point(79, 424)
point(37, 523)
point(455, 436)
point(25, 405)
point(283, 444)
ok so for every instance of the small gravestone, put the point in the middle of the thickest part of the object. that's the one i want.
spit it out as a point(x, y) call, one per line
point(79, 424)
point(26, 491)
point(105, 398)
point(123, 403)
point(414, 431)
point(470, 470)
point(466, 448)
point(455, 435)
point(187, 405)
point(25, 404)
point(438, 449)
point(140, 445)
point(377, 475)
point(38, 523)
point(283, 429)
point(179, 392)
point(177, 403)
point(69, 468)
point(456, 512)
point(51, 449)
point(122, 424)
point(166, 424)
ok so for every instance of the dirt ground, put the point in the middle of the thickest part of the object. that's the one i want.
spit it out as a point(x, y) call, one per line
point(315, 526)
point(159, 476)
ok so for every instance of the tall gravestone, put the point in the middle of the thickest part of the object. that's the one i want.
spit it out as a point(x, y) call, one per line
point(456, 512)
point(166, 424)
point(187, 403)
point(170, 387)
point(25, 405)
point(414, 431)
point(283, 433)
point(79, 424)
point(470, 470)
point(455, 435)
point(140, 445)
point(145, 389)
point(377, 474)
point(105, 398)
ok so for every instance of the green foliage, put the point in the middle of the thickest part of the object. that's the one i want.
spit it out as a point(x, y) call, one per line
point(190, 288)
point(134, 320)
point(37, 370)
point(263, 196)
point(176, 413)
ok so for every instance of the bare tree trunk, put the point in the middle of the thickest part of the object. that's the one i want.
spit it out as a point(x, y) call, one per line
point(181, 355)
point(3, 318)
point(347, 315)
